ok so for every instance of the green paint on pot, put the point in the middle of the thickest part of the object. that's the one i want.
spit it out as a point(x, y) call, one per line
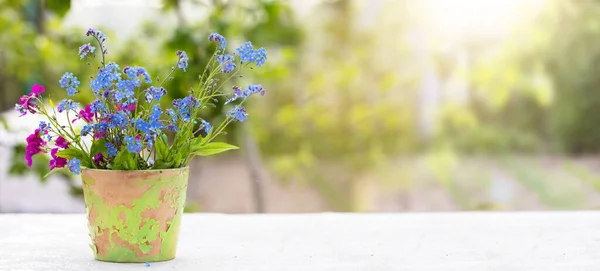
point(134, 216)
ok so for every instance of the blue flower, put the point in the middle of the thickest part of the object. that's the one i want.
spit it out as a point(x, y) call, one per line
point(155, 117)
point(155, 93)
point(248, 54)
point(118, 120)
point(142, 126)
point(182, 62)
point(44, 127)
point(226, 62)
point(255, 89)
point(74, 166)
point(206, 126)
point(135, 72)
point(105, 78)
point(134, 145)
point(239, 93)
point(70, 82)
point(112, 150)
point(172, 113)
point(96, 33)
point(238, 113)
point(215, 37)
point(87, 129)
point(128, 85)
point(67, 104)
point(185, 106)
point(172, 127)
point(86, 49)
point(260, 56)
point(22, 110)
point(98, 106)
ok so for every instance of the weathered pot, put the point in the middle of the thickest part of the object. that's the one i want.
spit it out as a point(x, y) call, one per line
point(134, 216)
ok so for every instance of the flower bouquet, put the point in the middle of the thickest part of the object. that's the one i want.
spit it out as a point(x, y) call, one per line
point(133, 155)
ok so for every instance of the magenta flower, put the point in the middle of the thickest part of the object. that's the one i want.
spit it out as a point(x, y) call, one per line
point(27, 102)
point(35, 144)
point(57, 162)
point(98, 158)
point(129, 107)
point(86, 114)
point(61, 143)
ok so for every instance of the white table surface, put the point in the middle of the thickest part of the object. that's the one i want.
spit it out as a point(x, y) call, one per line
point(414, 241)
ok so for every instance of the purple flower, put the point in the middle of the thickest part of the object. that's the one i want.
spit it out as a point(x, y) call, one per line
point(98, 158)
point(61, 142)
point(35, 145)
point(86, 49)
point(182, 62)
point(215, 37)
point(85, 114)
point(96, 33)
point(100, 130)
point(57, 162)
point(74, 166)
point(126, 107)
point(226, 62)
point(238, 113)
point(27, 102)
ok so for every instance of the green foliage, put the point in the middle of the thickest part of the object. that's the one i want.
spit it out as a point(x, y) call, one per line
point(211, 148)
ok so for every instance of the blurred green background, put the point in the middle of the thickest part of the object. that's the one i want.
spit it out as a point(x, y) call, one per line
point(384, 105)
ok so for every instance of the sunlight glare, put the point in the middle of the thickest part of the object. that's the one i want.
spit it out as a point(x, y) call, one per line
point(460, 19)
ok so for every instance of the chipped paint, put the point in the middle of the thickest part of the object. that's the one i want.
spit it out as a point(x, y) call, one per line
point(134, 216)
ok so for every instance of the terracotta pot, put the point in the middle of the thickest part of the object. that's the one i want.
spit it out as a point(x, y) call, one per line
point(134, 216)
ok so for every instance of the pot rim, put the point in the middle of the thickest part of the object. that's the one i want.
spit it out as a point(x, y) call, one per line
point(137, 170)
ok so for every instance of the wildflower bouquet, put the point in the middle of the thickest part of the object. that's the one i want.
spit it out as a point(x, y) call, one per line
point(125, 128)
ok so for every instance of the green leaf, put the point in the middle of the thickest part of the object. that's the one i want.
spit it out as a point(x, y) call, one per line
point(124, 160)
point(162, 148)
point(161, 164)
point(212, 148)
point(99, 146)
point(71, 153)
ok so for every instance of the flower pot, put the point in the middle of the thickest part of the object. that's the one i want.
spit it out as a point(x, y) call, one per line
point(134, 216)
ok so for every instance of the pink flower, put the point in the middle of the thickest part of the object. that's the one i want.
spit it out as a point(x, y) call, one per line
point(27, 102)
point(61, 143)
point(35, 145)
point(37, 90)
point(86, 114)
point(57, 162)
point(130, 107)
point(99, 134)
